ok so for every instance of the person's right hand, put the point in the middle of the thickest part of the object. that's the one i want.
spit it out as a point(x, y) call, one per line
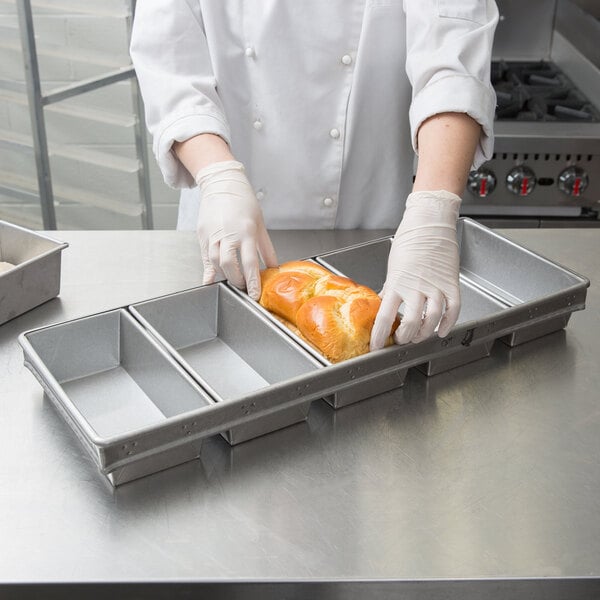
point(230, 221)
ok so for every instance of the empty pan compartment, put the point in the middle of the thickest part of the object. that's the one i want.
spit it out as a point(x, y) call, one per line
point(518, 277)
point(110, 380)
point(229, 349)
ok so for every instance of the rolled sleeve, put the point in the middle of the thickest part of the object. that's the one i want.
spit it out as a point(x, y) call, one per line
point(458, 93)
point(448, 64)
point(173, 66)
point(179, 129)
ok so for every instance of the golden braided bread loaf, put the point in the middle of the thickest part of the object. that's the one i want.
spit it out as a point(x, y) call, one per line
point(331, 312)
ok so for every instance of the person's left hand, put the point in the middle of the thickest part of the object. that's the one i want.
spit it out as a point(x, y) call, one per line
point(422, 271)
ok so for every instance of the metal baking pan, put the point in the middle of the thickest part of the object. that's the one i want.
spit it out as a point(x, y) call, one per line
point(229, 349)
point(502, 284)
point(137, 409)
point(34, 277)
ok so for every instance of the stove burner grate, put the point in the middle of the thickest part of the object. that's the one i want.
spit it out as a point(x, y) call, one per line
point(538, 91)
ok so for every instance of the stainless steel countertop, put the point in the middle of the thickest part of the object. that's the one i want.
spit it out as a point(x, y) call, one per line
point(488, 471)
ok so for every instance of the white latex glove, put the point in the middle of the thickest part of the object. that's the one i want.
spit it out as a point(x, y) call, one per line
point(422, 271)
point(230, 221)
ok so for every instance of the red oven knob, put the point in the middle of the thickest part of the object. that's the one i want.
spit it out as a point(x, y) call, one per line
point(573, 181)
point(481, 183)
point(521, 181)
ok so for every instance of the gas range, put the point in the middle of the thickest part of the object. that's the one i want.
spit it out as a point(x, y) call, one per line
point(546, 161)
point(538, 91)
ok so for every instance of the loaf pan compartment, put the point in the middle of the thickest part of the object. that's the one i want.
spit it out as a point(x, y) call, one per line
point(32, 275)
point(116, 388)
point(544, 293)
point(350, 390)
point(229, 349)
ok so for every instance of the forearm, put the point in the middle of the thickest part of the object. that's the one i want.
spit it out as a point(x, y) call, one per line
point(447, 144)
point(202, 150)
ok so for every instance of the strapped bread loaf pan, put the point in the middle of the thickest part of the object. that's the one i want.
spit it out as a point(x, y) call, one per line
point(142, 388)
point(30, 274)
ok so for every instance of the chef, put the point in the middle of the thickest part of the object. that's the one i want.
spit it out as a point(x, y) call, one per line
point(308, 114)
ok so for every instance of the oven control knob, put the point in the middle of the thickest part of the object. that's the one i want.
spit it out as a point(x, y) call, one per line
point(573, 181)
point(482, 182)
point(521, 181)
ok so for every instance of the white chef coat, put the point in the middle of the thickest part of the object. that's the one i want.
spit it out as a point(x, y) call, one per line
point(313, 96)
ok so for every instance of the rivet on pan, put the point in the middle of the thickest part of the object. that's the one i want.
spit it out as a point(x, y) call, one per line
point(466, 341)
point(184, 427)
point(130, 453)
point(134, 444)
point(124, 447)
point(189, 433)
point(194, 424)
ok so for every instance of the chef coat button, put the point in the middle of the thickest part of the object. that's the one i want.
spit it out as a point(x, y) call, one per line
point(328, 202)
point(260, 195)
point(335, 133)
point(346, 59)
point(249, 52)
point(257, 124)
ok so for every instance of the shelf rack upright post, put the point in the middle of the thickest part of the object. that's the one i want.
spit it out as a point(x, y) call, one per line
point(38, 100)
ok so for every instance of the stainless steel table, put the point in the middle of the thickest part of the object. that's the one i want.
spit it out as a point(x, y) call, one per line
point(480, 482)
